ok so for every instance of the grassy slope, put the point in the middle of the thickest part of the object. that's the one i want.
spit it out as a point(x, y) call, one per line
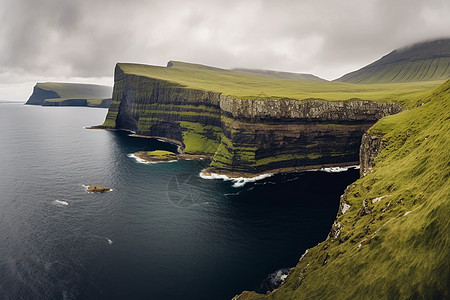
point(402, 248)
point(252, 86)
point(77, 90)
point(424, 61)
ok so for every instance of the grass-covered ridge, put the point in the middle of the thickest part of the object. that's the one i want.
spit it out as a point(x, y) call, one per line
point(424, 61)
point(394, 240)
point(255, 86)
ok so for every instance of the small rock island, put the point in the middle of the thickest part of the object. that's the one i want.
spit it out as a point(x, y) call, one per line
point(97, 189)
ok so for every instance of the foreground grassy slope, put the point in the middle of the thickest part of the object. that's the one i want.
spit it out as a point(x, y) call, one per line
point(420, 62)
point(394, 240)
point(251, 86)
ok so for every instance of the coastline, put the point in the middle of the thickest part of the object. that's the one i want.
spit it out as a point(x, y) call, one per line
point(237, 175)
point(145, 158)
point(213, 173)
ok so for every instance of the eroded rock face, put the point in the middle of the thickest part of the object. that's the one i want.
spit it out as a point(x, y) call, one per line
point(245, 135)
point(371, 146)
point(39, 95)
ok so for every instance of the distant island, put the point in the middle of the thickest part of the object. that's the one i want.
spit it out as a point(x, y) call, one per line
point(70, 94)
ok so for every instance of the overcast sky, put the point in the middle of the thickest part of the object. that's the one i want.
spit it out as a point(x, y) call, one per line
point(82, 40)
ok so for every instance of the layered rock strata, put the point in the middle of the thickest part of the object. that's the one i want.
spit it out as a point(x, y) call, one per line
point(244, 136)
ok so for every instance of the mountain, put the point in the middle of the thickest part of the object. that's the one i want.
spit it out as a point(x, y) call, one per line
point(70, 94)
point(420, 62)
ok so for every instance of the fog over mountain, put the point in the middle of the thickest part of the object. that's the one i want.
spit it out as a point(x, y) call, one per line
point(80, 41)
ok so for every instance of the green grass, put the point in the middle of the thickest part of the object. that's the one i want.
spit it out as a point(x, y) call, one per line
point(200, 139)
point(401, 249)
point(420, 62)
point(252, 86)
point(161, 154)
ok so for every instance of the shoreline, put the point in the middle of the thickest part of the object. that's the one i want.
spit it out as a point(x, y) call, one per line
point(145, 158)
point(237, 175)
point(210, 172)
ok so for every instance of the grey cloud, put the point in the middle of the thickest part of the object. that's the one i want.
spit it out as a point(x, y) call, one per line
point(83, 38)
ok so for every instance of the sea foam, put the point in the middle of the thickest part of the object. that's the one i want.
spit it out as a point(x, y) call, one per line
point(337, 169)
point(60, 203)
point(237, 181)
point(142, 161)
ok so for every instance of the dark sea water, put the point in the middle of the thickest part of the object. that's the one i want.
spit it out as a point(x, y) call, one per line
point(162, 233)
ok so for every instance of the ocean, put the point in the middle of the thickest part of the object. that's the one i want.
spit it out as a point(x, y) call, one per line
point(163, 232)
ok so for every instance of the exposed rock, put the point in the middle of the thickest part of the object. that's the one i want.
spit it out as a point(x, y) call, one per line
point(39, 95)
point(97, 189)
point(371, 146)
point(365, 209)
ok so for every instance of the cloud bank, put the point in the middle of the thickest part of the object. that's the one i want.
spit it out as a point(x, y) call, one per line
point(83, 40)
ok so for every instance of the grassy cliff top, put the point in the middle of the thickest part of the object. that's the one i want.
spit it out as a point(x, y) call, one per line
point(77, 90)
point(260, 86)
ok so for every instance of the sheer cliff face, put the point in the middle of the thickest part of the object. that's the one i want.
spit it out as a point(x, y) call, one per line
point(244, 136)
point(39, 95)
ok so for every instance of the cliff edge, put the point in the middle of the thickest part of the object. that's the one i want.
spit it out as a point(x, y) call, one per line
point(246, 136)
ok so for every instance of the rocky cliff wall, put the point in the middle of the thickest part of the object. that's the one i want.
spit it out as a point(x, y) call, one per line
point(39, 95)
point(371, 146)
point(245, 136)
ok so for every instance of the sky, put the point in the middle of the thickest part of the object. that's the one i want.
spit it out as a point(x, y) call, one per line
point(82, 40)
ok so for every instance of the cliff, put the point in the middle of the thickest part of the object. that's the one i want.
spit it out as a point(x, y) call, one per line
point(246, 136)
point(391, 237)
point(70, 94)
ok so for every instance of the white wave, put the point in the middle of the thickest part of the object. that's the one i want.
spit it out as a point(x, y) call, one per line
point(142, 161)
point(237, 181)
point(337, 169)
point(60, 203)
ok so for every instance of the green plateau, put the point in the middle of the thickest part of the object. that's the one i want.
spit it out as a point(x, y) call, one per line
point(70, 94)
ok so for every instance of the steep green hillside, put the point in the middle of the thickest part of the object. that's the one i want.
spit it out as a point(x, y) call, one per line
point(421, 62)
point(391, 239)
point(255, 86)
point(77, 94)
